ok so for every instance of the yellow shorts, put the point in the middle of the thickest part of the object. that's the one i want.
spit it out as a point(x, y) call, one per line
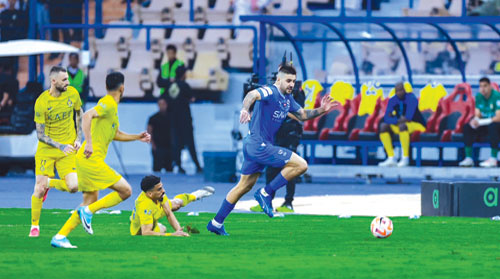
point(94, 175)
point(412, 127)
point(45, 164)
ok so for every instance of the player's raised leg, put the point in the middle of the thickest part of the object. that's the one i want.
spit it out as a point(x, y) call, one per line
point(60, 240)
point(295, 167)
point(245, 184)
point(123, 190)
point(184, 199)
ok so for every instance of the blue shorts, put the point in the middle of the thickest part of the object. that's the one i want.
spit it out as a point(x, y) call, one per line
point(259, 155)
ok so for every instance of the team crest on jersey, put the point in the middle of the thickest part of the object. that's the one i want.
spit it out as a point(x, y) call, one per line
point(70, 103)
point(147, 212)
point(284, 105)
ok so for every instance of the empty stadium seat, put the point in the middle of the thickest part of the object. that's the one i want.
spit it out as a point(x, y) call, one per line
point(370, 95)
point(428, 103)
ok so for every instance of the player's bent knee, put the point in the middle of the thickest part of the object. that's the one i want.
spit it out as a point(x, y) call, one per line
point(73, 187)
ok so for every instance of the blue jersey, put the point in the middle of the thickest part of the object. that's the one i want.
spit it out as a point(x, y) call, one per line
point(269, 113)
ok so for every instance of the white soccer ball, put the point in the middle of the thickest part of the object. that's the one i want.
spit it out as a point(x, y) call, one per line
point(381, 227)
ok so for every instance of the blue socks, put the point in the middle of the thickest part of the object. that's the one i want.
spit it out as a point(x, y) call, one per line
point(278, 182)
point(224, 210)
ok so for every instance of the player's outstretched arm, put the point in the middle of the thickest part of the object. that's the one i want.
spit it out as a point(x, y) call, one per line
point(40, 132)
point(327, 104)
point(250, 98)
point(173, 222)
point(121, 136)
point(86, 126)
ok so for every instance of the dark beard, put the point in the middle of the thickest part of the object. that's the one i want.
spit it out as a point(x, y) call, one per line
point(60, 89)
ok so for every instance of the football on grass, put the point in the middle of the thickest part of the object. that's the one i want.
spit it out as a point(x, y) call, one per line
point(381, 227)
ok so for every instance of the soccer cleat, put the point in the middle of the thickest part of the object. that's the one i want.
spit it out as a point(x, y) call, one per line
point(467, 162)
point(61, 243)
point(389, 162)
point(285, 208)
point(265, 201)
point(490, 163)
point(45, 194)
point(256, 208)
point(214, 229)
point(206, 191)
point(404, 162)
point(34, 231)
point(86, 219)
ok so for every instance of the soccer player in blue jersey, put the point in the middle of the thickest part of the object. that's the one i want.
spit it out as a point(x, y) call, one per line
point(272, 105)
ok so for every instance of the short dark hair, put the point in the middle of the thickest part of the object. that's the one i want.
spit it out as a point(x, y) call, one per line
point(287, 69)
point(180, 72)
point(74, 54)
point(149, 182)
point(114, 80)
point(172, 47)
point(484, 79)
point(56, 70)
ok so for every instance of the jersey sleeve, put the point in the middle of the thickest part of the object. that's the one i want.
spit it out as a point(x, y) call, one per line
point(165, 201)
point(144, 213)
point(40, 112)
point(102, 108)
point(78, 100)
point(294, 106)
point(265, 93)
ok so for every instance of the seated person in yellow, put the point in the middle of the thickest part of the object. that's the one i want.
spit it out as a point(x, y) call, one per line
point(402, 117)
point(152, 204)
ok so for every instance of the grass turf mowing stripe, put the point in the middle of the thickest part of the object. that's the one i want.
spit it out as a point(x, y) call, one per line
point(297, 246)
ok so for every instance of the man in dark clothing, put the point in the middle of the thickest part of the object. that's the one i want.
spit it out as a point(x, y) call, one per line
point(9, 87)
point(13, 23)
point(159, 129)
point(402, 117)
point(288, 136)
point(178, 97)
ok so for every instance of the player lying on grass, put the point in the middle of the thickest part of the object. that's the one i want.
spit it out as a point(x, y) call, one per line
point(152, 204)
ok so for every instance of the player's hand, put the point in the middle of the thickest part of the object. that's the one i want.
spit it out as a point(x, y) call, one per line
point(474, 123)
point(88, 150)
point(244, 116)
point(145, 137)
point(67, 148)
point(327, 103)
point(77, 144)
point(180, 233)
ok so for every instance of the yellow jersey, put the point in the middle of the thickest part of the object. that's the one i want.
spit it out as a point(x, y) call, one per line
point(146, 212)
point(57, 115)
point(103, 128)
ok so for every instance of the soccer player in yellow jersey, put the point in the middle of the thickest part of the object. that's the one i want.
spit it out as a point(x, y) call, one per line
point(100, 127)
point(152, 204)
point(58, 141)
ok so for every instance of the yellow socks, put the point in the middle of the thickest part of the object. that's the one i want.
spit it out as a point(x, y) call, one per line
point(109, 200)
point(185, 198)
point(386, 140)
point(404, 138)
point(71, 224)
point(58, 184)
point(36, 210)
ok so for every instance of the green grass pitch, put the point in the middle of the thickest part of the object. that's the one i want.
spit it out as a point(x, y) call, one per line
point(297, 246)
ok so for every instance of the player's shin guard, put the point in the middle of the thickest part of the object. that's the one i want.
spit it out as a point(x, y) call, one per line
point(224, 211)
point(278, 182)
point(109, 200)
point(404, 138)
point(71, 224)
point(386, 140)
point(36, 210)
point(58, 184)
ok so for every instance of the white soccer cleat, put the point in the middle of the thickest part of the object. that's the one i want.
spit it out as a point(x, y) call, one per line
point(389, 162)
point(490, 163)
point(61, 243)
point(206, 191)
point(467, 162)
point(404, 162)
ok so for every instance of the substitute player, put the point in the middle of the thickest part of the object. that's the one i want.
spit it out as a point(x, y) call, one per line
point(100, 127)
point(58, 141)
point(152, 204)
point(272, 105)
